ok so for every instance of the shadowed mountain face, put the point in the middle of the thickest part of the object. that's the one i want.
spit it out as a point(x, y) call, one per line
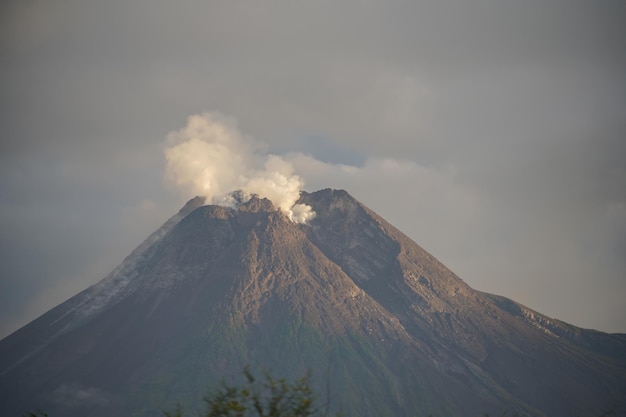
point(385, 327)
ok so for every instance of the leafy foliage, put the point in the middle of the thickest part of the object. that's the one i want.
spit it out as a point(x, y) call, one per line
point(264, 397)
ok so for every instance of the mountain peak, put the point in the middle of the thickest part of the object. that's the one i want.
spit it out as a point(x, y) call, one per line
point(257, 205)
point(327, 198)
point(347, 295)
point(191, 205)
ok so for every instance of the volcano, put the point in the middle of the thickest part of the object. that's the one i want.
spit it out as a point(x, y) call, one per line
point(385, 328)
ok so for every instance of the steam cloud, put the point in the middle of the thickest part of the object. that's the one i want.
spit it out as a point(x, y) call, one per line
point(210, 157)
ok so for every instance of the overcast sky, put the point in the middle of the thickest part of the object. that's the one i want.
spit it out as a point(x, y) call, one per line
point(491, 132)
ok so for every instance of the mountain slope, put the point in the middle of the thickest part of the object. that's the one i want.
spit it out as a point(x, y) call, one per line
point(386, 328)
point(503, 346)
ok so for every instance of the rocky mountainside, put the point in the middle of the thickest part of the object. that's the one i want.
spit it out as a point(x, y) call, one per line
point(386, 328)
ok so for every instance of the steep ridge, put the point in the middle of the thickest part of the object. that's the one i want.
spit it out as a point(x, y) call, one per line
point(35, 336)
point(495, 344)
point(385, 327)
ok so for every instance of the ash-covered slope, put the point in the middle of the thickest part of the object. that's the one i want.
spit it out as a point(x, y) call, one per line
point(498, 347)
point(385, 327)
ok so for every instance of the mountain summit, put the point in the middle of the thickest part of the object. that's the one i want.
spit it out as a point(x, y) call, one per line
point(386, 328)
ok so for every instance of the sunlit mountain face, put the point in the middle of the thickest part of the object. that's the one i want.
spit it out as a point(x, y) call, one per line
point(385, 328)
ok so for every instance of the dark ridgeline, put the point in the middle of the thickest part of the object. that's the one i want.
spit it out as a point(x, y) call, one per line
point(386, 328)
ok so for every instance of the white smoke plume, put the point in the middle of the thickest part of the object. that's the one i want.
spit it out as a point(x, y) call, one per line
point(210, 157)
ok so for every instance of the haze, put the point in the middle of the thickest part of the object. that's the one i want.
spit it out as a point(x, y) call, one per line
point(491, 132)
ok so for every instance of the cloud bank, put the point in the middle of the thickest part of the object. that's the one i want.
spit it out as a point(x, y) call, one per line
point(210, 157)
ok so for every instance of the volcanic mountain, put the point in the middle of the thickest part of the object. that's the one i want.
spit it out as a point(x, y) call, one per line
point(386, 328)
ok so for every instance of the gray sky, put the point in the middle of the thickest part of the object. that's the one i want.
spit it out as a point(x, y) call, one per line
point(491, 132)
